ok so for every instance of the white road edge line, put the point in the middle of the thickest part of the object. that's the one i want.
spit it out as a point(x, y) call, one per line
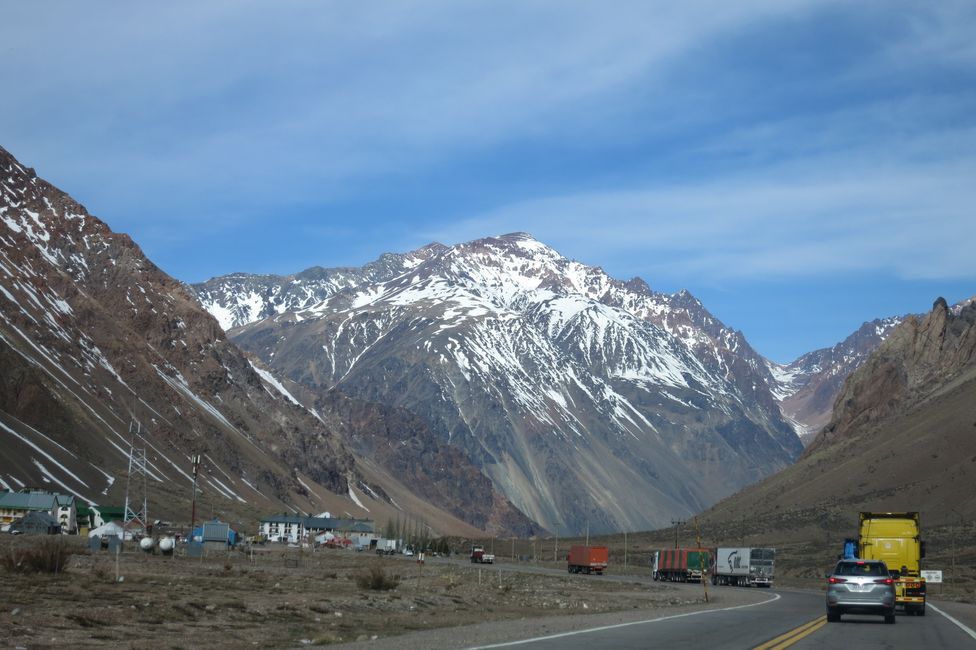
point(962, 626)
point(507, 644)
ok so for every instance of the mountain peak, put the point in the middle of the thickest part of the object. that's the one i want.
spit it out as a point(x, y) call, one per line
point(513, 352)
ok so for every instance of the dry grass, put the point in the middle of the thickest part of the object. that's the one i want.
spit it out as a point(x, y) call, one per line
point(46, 555)
point(286, 598)
point(375, 577)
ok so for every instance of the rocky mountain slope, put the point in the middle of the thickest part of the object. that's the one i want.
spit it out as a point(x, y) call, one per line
point(94, 339)
point(807, 387)
point(925, 356)
point(586, 400)
point(902, 437)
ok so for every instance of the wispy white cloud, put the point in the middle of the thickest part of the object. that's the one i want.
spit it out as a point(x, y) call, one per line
point(325, 92)
point(910, 223)
point(161, 113)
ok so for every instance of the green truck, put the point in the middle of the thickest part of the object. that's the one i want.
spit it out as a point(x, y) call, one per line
point(681, 564)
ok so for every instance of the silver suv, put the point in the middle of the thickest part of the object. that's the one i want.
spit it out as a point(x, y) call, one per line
point(860, 587)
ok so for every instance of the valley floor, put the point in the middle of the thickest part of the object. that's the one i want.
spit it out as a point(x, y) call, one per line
point(280, 597)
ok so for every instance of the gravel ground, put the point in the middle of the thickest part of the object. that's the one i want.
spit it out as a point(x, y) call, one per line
point(282, 598)
point(686, 598)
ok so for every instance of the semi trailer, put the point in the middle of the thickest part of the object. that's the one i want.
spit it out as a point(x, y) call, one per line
point(587, 559)
point(743, 566)
point(681, 564)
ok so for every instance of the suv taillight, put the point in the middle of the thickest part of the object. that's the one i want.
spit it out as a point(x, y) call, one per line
point(885, 581)
point(834, 581)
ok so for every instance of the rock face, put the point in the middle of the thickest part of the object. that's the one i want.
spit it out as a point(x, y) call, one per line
point(902, 437)
point(807, 388)
point(587, 401)
point(923, 356)
point(440, 474)
point(94, 338)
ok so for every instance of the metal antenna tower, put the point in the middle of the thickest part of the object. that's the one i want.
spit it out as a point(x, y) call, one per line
point(136, 489)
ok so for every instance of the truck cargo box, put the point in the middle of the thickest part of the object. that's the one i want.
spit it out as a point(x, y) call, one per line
point(587, 559)
point(744, 566)
point(682, 564)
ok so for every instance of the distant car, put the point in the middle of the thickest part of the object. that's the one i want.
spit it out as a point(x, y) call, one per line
point(860, 587)
point(408, 552)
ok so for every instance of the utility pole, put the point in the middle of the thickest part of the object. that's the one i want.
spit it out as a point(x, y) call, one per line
point(677, 525)
point(701, 559)
point(625, 550)
point(193, 508)
point(952, 537)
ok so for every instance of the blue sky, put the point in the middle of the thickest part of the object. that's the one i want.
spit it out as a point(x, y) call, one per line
point(801, 167)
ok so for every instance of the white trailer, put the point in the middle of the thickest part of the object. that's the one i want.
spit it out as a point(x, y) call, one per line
point(744, 567)
point(386, 546)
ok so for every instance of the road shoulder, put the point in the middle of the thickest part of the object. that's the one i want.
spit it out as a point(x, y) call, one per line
point(489, 633)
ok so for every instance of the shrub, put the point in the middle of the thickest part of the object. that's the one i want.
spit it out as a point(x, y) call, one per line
point(49, 555)
point(375, 578)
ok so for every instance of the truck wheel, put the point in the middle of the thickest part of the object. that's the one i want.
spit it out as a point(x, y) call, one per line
point(714, 580)
point(920, 611)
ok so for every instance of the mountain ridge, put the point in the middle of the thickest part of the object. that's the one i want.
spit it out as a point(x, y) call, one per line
point(486, 324)
point(901, 438)
point(103, 352)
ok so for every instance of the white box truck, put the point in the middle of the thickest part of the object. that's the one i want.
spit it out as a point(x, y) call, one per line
point(744, 566)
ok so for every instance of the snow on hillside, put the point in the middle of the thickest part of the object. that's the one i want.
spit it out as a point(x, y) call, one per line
point(503, 344)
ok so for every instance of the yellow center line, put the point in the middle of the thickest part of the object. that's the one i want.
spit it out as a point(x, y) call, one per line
point(794, 635)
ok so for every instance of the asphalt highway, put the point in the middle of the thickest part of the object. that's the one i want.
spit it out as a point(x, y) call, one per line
point(737, 619)
point(784, 619)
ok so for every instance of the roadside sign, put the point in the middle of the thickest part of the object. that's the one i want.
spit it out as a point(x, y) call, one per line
point(934, 577)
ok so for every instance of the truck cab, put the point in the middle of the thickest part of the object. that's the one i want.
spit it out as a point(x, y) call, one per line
point(478, 556)
point(894, 538)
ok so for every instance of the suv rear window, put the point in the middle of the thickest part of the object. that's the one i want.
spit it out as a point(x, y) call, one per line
point(861, 569)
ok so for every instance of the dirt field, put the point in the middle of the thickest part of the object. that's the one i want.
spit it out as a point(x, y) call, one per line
point(286, 598)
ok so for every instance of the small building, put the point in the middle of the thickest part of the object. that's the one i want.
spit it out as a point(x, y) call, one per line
point(214, 532)
point(36, 523)
point(15, 505)
point(295, 528)
point(111, 529)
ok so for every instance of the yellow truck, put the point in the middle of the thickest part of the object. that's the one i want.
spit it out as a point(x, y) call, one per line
point(894, 538)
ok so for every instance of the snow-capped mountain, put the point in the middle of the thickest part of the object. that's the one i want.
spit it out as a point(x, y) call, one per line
point(807, 388)
point(238, 299)
point(94, 338)
point(588, 401)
